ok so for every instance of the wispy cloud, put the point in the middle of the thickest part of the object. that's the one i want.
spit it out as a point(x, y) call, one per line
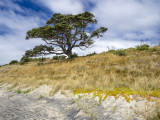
point(63, 6)
point(130, 19)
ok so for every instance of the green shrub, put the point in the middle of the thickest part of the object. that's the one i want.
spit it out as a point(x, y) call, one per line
point(18, 91)
point(39, 64)
point(112, 51)
point(153, 49)
point(131, 49)
point(62, 57)
point(74, 55)
point(24, 59)
point(142, 47)
point(37, 59)
point(4, 65)
point(55, 57)
point(120, 52)
point(26, 91)
point(91, 54)
point(34, 59)
point(41, 59)
point(13, 62)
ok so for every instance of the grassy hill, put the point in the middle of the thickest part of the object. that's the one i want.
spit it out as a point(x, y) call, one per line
point(132, 69)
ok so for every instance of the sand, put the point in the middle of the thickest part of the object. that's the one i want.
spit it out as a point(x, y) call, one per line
point(38, 105)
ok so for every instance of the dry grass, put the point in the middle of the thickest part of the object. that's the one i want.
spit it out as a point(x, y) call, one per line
point(138, 70)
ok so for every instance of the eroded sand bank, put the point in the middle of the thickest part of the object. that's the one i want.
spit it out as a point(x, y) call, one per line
point(38, 105)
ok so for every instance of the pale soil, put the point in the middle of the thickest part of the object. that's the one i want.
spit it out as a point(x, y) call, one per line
point(15, 106)
point(37, 105)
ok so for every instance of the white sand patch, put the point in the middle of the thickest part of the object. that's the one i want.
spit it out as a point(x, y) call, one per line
point(68, 106)
point(41, 91)
point(15, 106)
point(115, 109)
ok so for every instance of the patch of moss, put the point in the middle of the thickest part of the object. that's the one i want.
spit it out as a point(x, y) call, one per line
point(18, 91)
point(124, 92)
point(26, 91)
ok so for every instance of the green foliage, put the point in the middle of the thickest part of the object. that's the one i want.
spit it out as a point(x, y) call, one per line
point(64, 32)
point(62, 57)
point(41, 59)
point(39, 50)
point(91, 54)
point(112, 51)
point(55, 58)
point(18, 91)
point(74, 55)
point(13, 62)
point(119, 52)
point(142, 47)
point(4, 65)
point(37, 59)
point(26, 91)
point(153, 49)
point(24, 60)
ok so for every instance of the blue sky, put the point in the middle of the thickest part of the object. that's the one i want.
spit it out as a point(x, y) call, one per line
point(128, 21)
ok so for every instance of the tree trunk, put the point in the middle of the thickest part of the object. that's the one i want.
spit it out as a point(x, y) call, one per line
point(69, 54)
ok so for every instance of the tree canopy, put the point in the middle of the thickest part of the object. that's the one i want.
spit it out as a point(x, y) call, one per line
point(63, 32)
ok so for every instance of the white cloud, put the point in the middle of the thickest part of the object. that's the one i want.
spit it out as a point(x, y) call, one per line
point(13, 43)
point(105, 45)
point(127, 20)
point(128, 16)
point(64, 6)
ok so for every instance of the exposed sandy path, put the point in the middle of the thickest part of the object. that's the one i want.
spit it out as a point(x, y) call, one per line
point(22, 107)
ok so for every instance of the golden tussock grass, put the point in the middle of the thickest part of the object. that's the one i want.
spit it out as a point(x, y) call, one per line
point(138, 70)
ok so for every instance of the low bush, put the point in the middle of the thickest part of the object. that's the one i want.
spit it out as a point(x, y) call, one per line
point(4, 65)
point(55, 58)
point(18, 91)
point(153, 49)
point(13, 62)
point(112, 51)
point(35, 59)
point(142, 47)
point(40, 59)
point(62, 57)
point(74, 55)
point(24, 60)
point(26, 91)
point(119, 52)
point(91, 54)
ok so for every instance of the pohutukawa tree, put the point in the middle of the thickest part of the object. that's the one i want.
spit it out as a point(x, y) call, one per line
point(62, 33)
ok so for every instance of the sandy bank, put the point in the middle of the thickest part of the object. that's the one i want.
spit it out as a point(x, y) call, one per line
point(38, 105)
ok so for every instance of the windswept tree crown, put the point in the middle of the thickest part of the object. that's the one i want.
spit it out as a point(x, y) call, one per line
point(64, 32)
